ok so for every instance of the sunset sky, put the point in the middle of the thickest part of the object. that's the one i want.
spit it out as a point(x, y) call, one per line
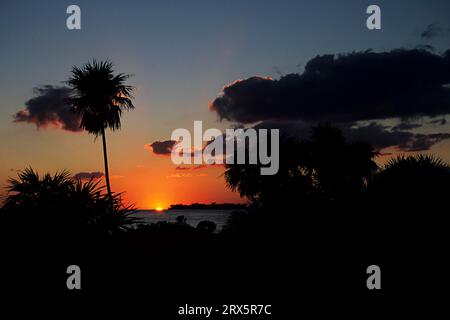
point(181, 55)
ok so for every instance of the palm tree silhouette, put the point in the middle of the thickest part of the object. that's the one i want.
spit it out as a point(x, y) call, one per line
point(100, 97)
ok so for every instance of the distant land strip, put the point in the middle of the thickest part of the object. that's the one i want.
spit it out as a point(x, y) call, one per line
point(211, 205)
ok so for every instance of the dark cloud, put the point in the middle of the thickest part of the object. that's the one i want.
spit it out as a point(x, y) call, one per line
point(166, 147)
point(406, 126)
point(162, 147)
point(433, 31)
point(425, 47)
point(88, 175)
point(49, 107)
point(423, 142)
point(381, 137)
point(377, 135)
point(345, 88)
point(439, 122)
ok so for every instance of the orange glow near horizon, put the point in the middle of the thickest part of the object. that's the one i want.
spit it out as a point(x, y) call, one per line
point(157, 182)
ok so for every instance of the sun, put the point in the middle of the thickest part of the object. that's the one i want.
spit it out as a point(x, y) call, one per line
point(159, 209)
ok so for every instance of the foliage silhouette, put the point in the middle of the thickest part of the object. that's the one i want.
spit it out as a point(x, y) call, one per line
point(100, 98)
point(207, 226)
point(407, 199)
point(321, 217)
point(408, 230)
point(60, 203)
point(325, 167)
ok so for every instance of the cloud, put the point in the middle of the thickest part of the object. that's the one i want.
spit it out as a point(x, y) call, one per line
point(345, 88)
point(166, 147)
point(179, 175)
point(438, 122)
point(433, 31)
point(423, 142)
point(162, 147)
point(426, 47)
point(406, 125)
point(381, 137)
point(182, 168)
point(49, 107)
point(197, 167)
point(185, 175)
point(377, 135)
point(354, 92)
point(88, 175)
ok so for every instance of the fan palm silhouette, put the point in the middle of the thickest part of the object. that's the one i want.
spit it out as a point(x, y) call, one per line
point(100, 98)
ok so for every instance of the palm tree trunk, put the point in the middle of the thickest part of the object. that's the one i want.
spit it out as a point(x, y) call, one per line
point(105, 157)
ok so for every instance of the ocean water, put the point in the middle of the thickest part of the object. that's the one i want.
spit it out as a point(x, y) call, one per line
point(193, 216)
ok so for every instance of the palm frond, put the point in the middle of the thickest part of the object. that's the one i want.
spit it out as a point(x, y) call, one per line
point(99, 96)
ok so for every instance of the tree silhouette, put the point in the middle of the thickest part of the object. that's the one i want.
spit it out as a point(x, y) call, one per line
point(100, 97)
point(323, 167)
point(339, 169)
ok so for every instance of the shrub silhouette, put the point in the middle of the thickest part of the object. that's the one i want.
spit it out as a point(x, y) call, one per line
point(59, 204)
point(407, 197)
point(207, 226)
point(181, 220)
